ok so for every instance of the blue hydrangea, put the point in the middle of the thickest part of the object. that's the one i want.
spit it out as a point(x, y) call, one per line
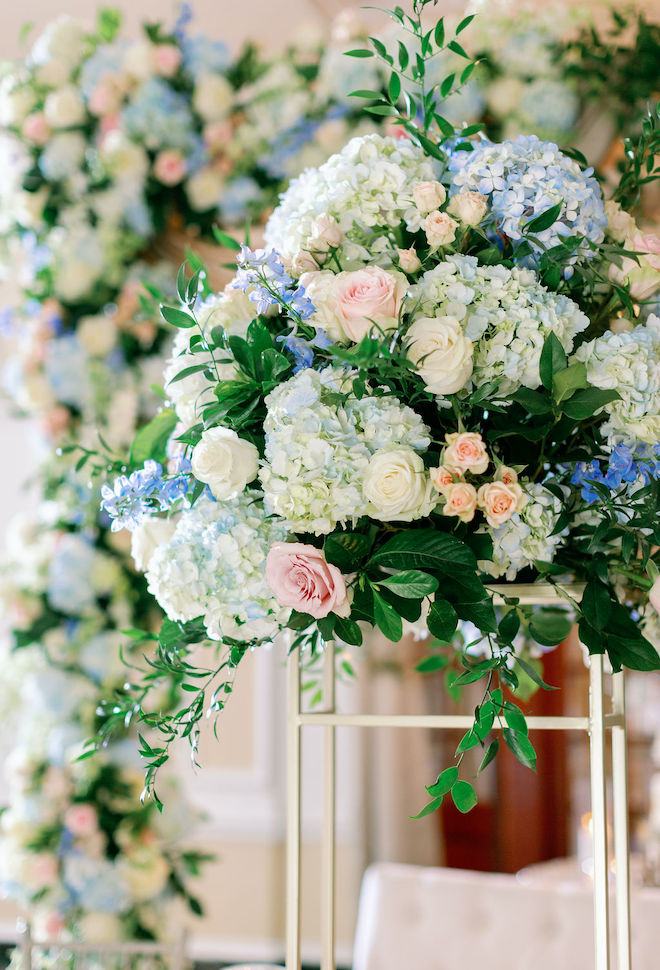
point(525, 177)
point(202, 55)
point(106, 60)
point(235, 206)
point(160, 117)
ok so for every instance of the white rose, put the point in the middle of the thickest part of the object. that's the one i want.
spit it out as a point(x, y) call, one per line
point(52, 74)
point(468, 207)
point(100, 927)
point(397, 486)
point(440, 229)
point(63, 39)
point(319, 287)
point(16, 102)
point(29, 207)
point(146, 874)
point(213, 97)
point(74, 279)
point(225, 462)
point(122, 157)
point(441, 353)
point(620, 224)
point(64, 108)
point(98, 335)
point(428, 195)
point(152, 532)
point(139, 61)
point(204, 189)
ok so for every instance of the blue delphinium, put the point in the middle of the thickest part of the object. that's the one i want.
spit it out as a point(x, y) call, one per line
point(262, 276)
point(625, 465)
point(525, 177)
point(133, 497)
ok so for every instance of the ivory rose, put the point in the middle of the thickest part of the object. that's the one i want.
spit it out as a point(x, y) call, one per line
point(64, 108)
point(461, 501)
point(212, 97)
point(643, 277)
point(300, 577)
point(326, 233)
point(468, 207)
point(441, 353)
point(409, 261)
point(440, 229)
point(204, 188)
point(499, 501)
point(466, 450)
point(444, 476)
point(428, 195)
point(225, 462)
point(397, 486)
point(368, 297)
point(620, 224)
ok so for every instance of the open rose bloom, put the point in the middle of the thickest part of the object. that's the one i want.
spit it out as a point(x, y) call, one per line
point(425, 400)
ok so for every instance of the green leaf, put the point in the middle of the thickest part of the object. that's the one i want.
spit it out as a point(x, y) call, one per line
point(223, 239)
point(535, 402)
point(446, 85)
point(491, 752)
point(394, 87)
point(482, 614)
point(515, 718)
point(379, 109)
point(509, 625)
point(151, 440)
point(424, 549)
point(584, 404)
point(566, 382)
point(348, 630)
point(404, 57)
point(366, 93)
point(387, 619)
point(178, 318)
point(551, 626)
point(430, 665)
point(188, 371)
point(346, 549)
point(464, 796)
point(439, 33)
point(596, 604)
point(553, 359)
point(411, 584)
point(521, 746)
point(359, 53)
point(442, 619)
point(545, 220)
point(432, 806)
point(636, 654)
point(464, 23)
point(444, 783)
point(454, 46)
point(181, 283)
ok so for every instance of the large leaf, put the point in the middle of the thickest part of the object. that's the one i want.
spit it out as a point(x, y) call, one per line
point(387, 619)
point(424, 549)
point(442, 619)
point(178, 318)
point(553, 360)
point(584, 404)
point(151, 441)
point(346, 549)
point(464, 796)
point(411, 584)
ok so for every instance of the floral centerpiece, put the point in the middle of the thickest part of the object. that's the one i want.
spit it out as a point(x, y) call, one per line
point(440, 375)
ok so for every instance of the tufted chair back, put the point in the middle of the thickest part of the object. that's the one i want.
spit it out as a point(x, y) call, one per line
point(451, 919)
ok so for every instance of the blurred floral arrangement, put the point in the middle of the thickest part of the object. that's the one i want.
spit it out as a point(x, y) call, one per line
point(440, 373)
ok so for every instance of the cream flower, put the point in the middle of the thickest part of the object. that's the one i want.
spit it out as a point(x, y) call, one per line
point(466, 450)
point(225, 462)
point(468, 207)
point(440, 229)
point(444, 476)
point(461, 501)
point(397, 486)
point(499, 501)
point(429, 195)
point(441, 353)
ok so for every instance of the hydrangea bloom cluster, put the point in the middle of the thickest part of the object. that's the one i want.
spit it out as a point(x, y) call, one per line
point(506, 313)
point(527, 536)
point(627, 362)
point(214, 566)
point(367, 185)
point(522, 179)
point(319, 440)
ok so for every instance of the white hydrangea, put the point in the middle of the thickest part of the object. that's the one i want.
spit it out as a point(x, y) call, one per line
point(319, 439)
point(527, 536)
point(506, 313)
point(230, 309)
point(214, 566)
point(368, 184)
point(629, 363)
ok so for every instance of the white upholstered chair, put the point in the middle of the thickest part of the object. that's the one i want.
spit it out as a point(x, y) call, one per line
point(451, 919)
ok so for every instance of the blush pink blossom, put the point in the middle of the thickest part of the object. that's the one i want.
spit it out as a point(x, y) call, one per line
point(169, 167)
point(81, 820)
point(167, 58)
point(300, 577)
point(368, 297)
point(461, 501)
point(218, 133)
point(109, 123)
point(104, 100)
point(466, 450)
point(36, 129)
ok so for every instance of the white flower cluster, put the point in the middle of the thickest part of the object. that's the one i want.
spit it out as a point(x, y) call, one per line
point(214, 566)
point(319, 441)
point(525, 177)
point(507, 314)
point(527, 535)
point(231, 310)
point(368, 184)
point(629, 363)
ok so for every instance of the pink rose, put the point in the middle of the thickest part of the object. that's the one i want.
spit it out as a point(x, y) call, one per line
point(654, 595)
point(500, 501)
point(169, 167)
point(643, 276)
point(466, 450)
point(300, 577)
point(218, 133)
point(55, 421)
point(440, 229)
point(167, 59)
point(105, 99)
point(36, 129)
point(81, 820)
point(461, 501)
point(325, 234)
point(444, 476)
point(409, 261)
point(507, 475)
point(368, 297)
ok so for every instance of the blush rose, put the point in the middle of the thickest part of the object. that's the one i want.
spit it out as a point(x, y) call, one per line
point(300, 577)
